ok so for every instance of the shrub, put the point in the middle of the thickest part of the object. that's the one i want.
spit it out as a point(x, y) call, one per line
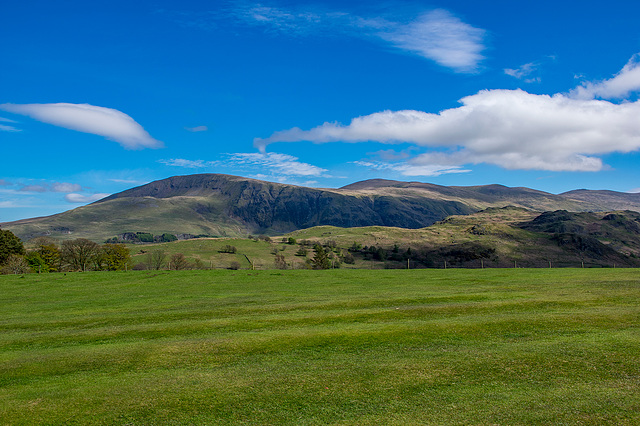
point(227, 249)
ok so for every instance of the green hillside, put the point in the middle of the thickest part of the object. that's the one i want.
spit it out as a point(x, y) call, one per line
point(502, 238)
point(222, 205)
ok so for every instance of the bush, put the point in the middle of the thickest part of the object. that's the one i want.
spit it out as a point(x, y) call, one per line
point(234, 266)
point(178, 262)
point(16, 264)
point(227, 249)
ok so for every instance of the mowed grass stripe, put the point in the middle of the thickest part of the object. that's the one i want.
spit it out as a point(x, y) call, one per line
point(321, 347)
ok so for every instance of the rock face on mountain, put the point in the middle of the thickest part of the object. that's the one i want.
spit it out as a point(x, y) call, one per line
point(223, 205)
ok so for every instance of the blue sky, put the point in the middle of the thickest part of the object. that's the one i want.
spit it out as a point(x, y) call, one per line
point(97, 97)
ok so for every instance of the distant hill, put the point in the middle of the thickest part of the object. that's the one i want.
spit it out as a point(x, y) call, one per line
point(224, 205)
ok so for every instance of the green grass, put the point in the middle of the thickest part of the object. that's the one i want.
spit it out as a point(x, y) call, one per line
point(493, 346)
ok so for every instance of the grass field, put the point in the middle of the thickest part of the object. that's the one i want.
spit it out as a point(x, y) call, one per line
point(493, 346)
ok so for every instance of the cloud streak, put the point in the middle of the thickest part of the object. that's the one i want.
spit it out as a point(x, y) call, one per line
point(436, 35)
point(281, 164)
point(54, 187)
point(81, 198)
point(107, 122)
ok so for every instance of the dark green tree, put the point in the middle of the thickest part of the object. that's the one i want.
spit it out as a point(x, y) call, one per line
point(9, 244)
point(320, 258)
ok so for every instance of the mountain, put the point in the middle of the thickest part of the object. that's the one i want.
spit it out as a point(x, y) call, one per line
point(224, 205)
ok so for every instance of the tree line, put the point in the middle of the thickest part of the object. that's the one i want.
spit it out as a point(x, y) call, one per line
point(79, 254)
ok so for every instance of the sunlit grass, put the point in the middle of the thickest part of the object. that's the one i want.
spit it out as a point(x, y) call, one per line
point(321, 347)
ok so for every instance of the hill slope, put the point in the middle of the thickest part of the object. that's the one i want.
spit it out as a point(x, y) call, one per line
point(223, 205)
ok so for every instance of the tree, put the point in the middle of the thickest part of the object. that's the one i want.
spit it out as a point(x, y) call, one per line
point(16, 264)
point(291, 241)
point(280, 262)
point(228, 249)
point(78, 254)
point(320, 258)
point(116, 257)
point(156, 259)
point(50, 255)
point(36, 262)
point(302, 251)
point(178, 262)
point(9, 244)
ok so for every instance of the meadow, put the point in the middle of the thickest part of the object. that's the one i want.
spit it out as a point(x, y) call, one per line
point(492, 346)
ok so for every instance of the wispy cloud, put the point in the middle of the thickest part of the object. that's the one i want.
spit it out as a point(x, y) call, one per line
point(437, 35)
point(524, 72)
point(107, 122)
point(5, 128)
point(276, 163)
point(409, 169)
point(441, 37)
point(509, 128)
point(620, 86)
point(82, 198)
point(197, 129)
point(51, 187)
point(189, 164)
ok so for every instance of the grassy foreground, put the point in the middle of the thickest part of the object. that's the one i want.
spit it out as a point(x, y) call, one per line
point(554, 346)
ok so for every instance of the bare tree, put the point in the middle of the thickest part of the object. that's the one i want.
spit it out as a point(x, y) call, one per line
point(78, 254)
point(178, 261)
point(156, 259)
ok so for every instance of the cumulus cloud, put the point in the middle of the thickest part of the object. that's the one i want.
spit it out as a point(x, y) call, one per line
point(436, 35)
point(107, 122)
point(509, 128)
point(81, 198)
point(620, 86)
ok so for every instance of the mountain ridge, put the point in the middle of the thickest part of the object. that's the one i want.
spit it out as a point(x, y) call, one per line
point(227, 205)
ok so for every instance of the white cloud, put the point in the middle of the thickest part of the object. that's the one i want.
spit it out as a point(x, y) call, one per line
point(190, 164)
point(436, 35)
point(620, 86)
point(282, 164)
point(6, 128)
point(408, 169)
point(65, 187)
point(110, 123)
point(509, 128)
point(524, 72)
point(197, 129)
point(54, 187)
point(441, 37)
point(80, 198)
